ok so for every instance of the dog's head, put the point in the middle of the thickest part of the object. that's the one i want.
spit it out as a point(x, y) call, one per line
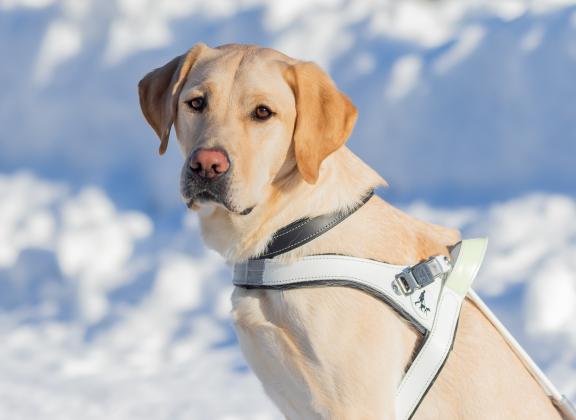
point(245, 118)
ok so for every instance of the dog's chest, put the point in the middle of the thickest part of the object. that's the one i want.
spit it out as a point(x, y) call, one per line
point(273, 353)
point(318, 351)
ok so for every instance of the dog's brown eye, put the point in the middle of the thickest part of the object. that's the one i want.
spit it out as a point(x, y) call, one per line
point(197, 104)
point(262, 113)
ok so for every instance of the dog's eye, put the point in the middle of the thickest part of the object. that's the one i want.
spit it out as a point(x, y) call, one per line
point(262, 113)
point(197, 104)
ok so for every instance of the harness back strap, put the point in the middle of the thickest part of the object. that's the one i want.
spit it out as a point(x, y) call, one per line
point(561, 402)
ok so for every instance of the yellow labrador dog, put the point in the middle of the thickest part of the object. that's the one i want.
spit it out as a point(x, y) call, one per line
point(263, 138)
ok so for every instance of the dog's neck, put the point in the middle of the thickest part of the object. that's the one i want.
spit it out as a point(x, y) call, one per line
point(343, 181)
point(387, 233)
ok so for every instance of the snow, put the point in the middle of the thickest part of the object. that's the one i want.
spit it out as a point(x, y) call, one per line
point(111, 307)
point(532, 39)
point(62, 42)
point(464, 46)
point(109, 329)
point(25, 219)
point(404, 76)
point(14, 4)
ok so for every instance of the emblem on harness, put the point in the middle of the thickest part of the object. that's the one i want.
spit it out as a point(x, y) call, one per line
point(421, 305)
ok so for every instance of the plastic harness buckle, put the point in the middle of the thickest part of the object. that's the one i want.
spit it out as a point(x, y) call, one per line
point(422, 274)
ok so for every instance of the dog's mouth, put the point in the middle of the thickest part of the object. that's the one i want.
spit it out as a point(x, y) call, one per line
point(196, 192)
point(204, 196)
point(207, 196)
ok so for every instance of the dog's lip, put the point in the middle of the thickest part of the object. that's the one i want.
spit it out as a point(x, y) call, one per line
point(202, 196)
point(206, 196)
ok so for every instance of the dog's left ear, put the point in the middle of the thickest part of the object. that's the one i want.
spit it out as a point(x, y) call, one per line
point(159, 91)
point(325, 117)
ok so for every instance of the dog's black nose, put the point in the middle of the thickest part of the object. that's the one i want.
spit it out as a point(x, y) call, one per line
point(209, 163)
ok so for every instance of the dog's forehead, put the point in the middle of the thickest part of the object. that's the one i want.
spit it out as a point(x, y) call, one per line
point(260, 73)
point(240, 67)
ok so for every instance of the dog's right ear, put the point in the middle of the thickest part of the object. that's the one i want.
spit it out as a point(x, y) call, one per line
point(159, 91)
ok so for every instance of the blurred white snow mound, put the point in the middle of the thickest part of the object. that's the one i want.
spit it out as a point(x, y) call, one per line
point(99, 321)
point(91, 241)
point(524, 234)
point(26, 214)
point(95, 324)
point(131, 26)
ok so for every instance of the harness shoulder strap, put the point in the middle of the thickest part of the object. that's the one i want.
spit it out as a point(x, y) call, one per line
point(433, 354)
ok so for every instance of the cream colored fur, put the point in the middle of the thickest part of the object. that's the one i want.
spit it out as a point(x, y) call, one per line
point(323, 353)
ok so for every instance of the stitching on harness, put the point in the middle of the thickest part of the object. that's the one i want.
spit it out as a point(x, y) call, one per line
point(336, 257)
point(341, 217)
point(277, 235)
point(322, 229)
point(296, 279)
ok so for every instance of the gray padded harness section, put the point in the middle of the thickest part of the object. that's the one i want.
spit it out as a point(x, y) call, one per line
point(250, 274)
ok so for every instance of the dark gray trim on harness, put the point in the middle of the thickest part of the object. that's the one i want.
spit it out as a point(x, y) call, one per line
point(304, 230)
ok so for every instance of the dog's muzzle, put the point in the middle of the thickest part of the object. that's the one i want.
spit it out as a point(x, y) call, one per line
point(206, 177)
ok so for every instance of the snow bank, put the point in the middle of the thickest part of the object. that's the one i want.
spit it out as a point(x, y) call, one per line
point(97, 322)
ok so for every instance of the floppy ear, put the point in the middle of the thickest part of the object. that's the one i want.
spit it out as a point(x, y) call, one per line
point(325, 117)
point(159, 91)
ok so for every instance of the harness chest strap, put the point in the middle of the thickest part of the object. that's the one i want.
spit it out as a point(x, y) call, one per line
point(325, 270)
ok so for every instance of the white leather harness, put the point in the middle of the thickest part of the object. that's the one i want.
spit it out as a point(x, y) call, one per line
point(428, 294)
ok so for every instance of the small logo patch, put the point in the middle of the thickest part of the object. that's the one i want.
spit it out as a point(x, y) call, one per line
point(421, 305)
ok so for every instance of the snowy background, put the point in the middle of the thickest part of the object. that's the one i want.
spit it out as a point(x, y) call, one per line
point(110, 307)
